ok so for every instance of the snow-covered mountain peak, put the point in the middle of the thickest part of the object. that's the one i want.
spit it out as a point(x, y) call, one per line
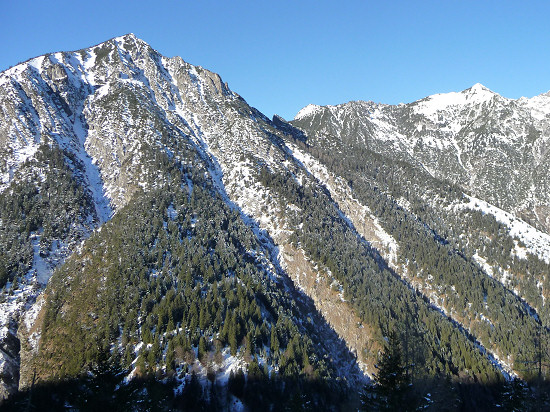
point(129, 42)
point(309, 110)
point(477, 94)
point(127, 37)
point(478, 88)
point(539, 106)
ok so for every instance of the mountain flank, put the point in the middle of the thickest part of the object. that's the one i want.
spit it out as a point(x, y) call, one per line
point(164, 244)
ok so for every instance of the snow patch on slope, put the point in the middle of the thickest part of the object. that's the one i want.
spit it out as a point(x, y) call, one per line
point(535, 241)
point(484, 265)
point(356, 213)
point(37, 63)
point(15, 299)
point(21, 155)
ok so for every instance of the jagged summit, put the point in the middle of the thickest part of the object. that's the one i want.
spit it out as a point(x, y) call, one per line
point(479, 93)
point(478, 88)
point(127, 37)
point(126, 41)
point(129, 41)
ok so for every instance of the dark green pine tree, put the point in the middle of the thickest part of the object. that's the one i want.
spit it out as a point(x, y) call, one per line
point(514, 395)
point(274, 342)
point(202, 350)
point(236, 383)
point(388, 391)
point(232, 336)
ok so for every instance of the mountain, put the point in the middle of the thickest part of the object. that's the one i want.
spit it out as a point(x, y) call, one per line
point(490, 151)
point(493, 147)
point(164, 243)
point(457, 180)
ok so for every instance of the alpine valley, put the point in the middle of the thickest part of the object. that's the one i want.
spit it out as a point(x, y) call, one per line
point(165, 246)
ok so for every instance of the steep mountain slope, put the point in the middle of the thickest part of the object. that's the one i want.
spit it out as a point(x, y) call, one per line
point(196, 237)
point(415, 177)
point(124, 123)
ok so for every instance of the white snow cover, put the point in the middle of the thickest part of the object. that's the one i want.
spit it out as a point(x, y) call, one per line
point(432, 104)
point(309, 110)
point(37, 62)
point(538, 105)
point(20, 300)
point(536, 242)
point(484, 265)
point(95, 182)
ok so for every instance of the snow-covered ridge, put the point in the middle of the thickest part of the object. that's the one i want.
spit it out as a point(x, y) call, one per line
point(535, 241)
point(538, 105)
point(309, 110)
point(475, 95)
point(428, 106)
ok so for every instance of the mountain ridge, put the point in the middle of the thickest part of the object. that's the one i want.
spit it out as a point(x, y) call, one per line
point(458, 140)
point(474, 89)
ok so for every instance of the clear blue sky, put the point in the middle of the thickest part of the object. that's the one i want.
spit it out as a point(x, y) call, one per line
point(282, 55)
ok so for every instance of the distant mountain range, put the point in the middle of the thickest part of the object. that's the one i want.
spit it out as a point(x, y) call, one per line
point(493, 147)
point(164, 244)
